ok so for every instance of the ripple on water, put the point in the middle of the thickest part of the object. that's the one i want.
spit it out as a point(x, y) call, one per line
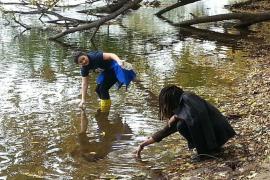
point(40, 93)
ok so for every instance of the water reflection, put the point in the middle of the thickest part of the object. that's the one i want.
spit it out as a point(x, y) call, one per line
point(40, 92)
point(97, 145)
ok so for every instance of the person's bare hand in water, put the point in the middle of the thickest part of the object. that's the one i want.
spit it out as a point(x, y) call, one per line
point(138, 151)
point(82, 105)
point(147, 142)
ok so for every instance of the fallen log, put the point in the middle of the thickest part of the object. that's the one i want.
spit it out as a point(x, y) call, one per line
point(225, 38)
point(246, 19)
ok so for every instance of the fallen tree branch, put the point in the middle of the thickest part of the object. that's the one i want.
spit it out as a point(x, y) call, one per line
point(106, 9)
point(94, 33)
point(27, 3)
point(260, 17)
point(176, 5)
point(205, 34)
point(21, 24)
point(246, 19)
point(47, 12)
point(99, 22)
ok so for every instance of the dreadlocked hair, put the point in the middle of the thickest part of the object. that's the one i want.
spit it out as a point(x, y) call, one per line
point(169, 99)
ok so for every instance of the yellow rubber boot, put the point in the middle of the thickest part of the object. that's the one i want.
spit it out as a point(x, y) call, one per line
point(105, 105)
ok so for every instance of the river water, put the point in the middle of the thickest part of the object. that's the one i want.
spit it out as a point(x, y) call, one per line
point(43, 133)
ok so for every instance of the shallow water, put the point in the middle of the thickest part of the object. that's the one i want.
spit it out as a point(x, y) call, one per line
point(42, 131)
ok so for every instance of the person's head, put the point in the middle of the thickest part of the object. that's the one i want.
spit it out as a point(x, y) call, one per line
point(169, 99)
point(81, 58)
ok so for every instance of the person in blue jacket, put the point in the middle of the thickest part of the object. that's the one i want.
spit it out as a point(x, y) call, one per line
point(114, 71)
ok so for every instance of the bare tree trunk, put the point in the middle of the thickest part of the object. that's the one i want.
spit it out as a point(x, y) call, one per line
point(176, 5)
point(99, 22)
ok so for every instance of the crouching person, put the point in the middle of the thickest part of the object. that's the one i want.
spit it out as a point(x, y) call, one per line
point(199, 122)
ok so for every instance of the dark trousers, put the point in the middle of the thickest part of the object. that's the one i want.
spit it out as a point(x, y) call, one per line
point(103, 89)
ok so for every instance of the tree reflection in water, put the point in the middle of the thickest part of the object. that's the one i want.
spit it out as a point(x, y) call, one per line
point(109, 134)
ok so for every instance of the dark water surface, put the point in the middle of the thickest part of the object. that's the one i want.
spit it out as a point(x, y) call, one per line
point(42, 131)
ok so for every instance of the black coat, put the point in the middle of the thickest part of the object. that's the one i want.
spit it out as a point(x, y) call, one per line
point(204, 127)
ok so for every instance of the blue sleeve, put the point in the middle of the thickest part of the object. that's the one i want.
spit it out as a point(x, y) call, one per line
point(84, 72)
